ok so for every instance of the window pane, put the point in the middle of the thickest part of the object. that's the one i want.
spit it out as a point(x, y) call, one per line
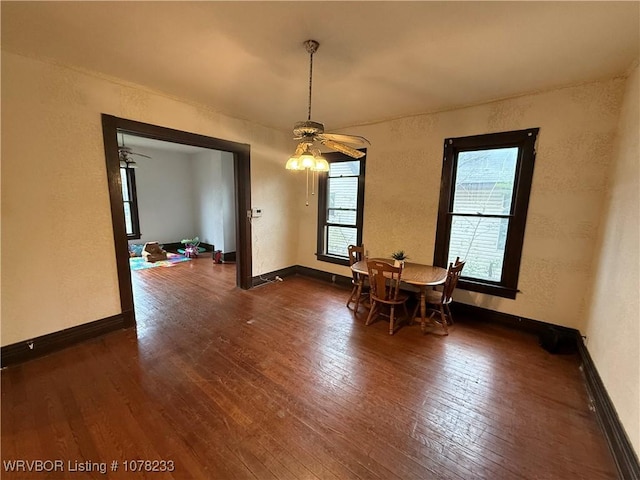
point(484, 181)
point(479, 241)
point(343, 192)
point(339, 238)
point(127, 218)
point(343, 217)
point(337, 169)
point(125, 184)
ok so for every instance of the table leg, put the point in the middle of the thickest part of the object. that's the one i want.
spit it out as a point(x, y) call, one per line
point(358, 294)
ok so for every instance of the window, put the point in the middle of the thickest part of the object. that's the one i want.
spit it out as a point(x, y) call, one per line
point(340, 207)
point(129, 199)
point(486, 181)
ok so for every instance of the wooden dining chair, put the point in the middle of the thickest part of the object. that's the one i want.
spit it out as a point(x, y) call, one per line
point(359, 282)
point(384, 281)
point(440, 300)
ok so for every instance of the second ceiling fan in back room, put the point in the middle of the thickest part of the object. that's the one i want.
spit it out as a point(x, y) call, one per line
point(124, 152)
point(310, 133)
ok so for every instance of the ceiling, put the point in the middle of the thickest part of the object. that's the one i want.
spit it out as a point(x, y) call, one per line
point(376, 61)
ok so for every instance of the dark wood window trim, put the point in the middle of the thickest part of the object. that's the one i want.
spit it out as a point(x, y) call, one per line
point(525, 141)
point(133, 204)
point(323, 210)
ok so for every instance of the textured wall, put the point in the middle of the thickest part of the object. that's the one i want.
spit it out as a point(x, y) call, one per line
point(58, 259)
point(612, 329)
point(404, 165)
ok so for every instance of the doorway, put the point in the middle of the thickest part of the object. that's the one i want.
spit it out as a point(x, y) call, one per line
point(111, 125)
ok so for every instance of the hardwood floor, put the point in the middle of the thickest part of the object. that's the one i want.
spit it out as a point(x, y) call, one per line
point(283, 382)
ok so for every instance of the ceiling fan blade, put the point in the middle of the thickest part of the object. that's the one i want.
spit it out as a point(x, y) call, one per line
point(127, 151)
point(339, 147)
point(352, 139)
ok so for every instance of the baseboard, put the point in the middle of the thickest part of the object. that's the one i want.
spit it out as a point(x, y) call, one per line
point(207, 246)
point(229, 257)
point(623, 453)
point(325, 276)
point(270, 277)
point(305, 271)
point(521, 323)
point(36, 347)
point(174, 246)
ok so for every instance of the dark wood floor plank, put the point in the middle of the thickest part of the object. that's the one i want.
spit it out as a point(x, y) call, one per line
point(284, 382)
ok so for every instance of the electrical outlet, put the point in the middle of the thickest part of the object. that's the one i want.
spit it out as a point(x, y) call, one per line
point(256, 212)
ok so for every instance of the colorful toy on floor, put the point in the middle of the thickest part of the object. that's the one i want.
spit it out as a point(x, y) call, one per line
point(191, 247)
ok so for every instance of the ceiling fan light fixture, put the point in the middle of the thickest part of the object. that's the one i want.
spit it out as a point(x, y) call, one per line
point(321, 163)
point(310, 133)
point(307, 160)
point(293, 163)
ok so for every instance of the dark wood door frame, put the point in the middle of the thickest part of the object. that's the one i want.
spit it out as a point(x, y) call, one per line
point(242, 174)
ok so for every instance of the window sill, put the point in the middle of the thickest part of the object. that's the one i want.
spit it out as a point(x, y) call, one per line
point(333, 259)
point(134, 237)
point(487, 288)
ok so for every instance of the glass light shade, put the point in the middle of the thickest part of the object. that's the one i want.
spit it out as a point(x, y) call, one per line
point(307, 160)
point(293, 163)
point(322, 165)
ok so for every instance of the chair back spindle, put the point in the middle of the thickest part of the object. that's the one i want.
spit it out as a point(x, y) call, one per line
point(385, 290)
point(384, 279)
point(453, 274)
point(356, 254)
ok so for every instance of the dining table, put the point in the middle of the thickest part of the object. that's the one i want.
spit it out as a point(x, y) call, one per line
point(417, 274)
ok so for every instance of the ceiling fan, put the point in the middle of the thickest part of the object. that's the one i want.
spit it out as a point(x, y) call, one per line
point(309, 132)
point(125, 153)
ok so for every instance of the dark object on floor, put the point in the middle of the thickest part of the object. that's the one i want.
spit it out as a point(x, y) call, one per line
point(555, 340)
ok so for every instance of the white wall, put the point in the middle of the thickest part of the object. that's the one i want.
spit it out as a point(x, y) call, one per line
point(228, 204)
point(166, 203)
point(612, 326)
point(186, 195)
point(54, 190)
point(207, 190)
point(214, 196)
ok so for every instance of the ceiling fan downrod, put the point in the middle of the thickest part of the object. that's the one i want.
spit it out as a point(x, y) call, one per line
point(312, 47)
